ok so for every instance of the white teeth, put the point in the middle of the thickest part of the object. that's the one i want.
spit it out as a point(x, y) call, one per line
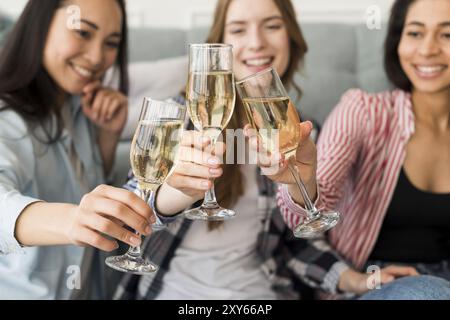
point(258, 62)
point(84, 72)
point(430, 69)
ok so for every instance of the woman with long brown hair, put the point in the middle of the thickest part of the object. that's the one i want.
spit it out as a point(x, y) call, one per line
point(253, 255)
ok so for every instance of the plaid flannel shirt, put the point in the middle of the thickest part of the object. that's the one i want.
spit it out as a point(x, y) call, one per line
point(288, 262)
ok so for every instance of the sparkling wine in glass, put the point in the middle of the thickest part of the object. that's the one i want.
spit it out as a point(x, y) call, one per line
point(270, 110)
point(153, 155)
point(210, 96)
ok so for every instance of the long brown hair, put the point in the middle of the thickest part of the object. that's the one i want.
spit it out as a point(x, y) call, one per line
point(230, 187)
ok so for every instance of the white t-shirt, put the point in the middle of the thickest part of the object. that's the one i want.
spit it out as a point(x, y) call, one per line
point(221, 264)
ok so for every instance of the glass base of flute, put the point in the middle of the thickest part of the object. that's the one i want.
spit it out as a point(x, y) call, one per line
point(132, 261)
point(317, 222)
point(210, 209)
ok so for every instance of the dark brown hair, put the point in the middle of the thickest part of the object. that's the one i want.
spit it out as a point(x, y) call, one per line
point(392, 66)
point(230, 187)
point(25, 85)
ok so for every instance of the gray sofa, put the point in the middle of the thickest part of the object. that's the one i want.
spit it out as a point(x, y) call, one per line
point(340, 57)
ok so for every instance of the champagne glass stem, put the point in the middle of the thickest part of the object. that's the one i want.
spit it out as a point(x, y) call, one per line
point(311, 209)
point(135, 252)
point(210, 200)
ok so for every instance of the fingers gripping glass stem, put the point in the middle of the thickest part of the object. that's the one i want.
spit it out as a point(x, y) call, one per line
point(135, 251)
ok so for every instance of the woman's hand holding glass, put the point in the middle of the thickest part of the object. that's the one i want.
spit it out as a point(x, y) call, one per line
point(275, 165)
point(153, 155)
point(105, 212)
point(199, 163)
point(271, 112)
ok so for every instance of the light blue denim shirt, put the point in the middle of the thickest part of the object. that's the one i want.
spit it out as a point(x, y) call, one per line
point(31, 170)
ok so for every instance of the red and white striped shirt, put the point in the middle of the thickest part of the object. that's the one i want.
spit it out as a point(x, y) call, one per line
point(361, 151)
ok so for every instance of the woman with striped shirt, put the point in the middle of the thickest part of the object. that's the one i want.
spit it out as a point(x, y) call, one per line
point(383, 160)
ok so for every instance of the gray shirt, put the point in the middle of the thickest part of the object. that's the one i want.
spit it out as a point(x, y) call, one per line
point(31, 171)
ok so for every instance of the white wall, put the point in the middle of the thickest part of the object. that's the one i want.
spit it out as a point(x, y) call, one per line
point(186, 13)
point(11, 7)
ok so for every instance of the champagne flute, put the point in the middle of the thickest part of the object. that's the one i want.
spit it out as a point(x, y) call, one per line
point(210, 96)
point(270, 111)
point(153, 154)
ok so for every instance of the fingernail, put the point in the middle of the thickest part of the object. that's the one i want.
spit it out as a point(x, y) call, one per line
point(306, 125)
point(215, 172)
point(213, 161)
point(205, 184)
point(135, 241)
point(148, 229)
point(205, 139)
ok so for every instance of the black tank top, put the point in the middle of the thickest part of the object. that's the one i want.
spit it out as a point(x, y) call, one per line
point(416, 227)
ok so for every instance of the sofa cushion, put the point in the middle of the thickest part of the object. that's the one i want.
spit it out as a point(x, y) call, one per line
point(150, 44)
point(329, 68)
point(197, 35)
point(369, 64)
point(159, 79)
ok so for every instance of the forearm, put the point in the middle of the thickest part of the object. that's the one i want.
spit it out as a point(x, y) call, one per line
point(171, 201)
point(352, 281)
point(108, 142)
point(44, 224)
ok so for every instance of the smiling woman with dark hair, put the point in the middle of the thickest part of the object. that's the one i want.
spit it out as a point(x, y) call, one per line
point(384, 162)
point(59, 127)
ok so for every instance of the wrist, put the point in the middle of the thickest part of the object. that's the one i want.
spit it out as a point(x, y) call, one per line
point(68, 227)
point(165, 204)
point(345, 281)
point(308, 172)
point(110, 133)
point(296, 195)
point(352, 281)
